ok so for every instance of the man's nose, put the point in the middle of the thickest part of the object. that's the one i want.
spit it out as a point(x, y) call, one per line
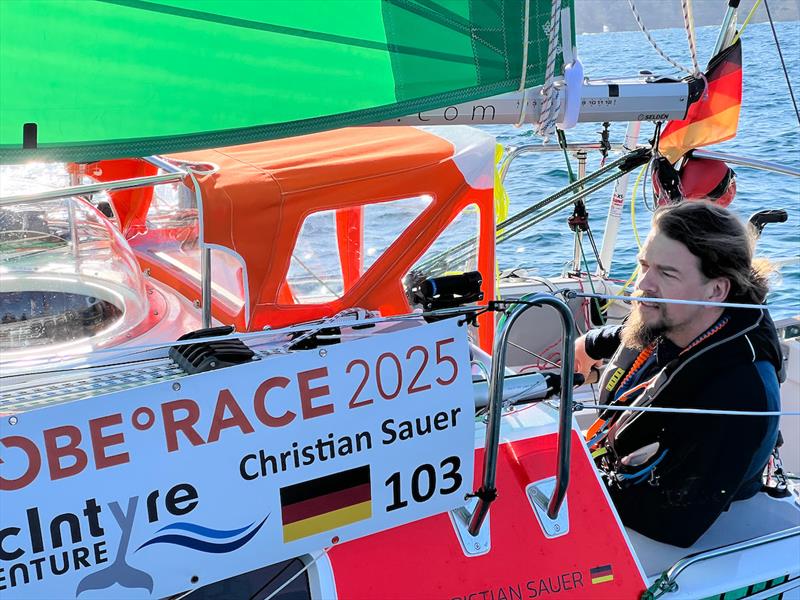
point(646, 283)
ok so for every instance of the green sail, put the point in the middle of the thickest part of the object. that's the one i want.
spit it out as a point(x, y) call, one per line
point(114, 78)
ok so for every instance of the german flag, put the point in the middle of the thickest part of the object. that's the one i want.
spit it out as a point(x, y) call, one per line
point(325, 503)
point(601, 574)
point(713, 119)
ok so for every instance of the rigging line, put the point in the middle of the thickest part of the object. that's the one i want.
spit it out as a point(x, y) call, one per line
point(653, 43)
point(562, 141)
point(532, 219)
point(324, 324)
point(249, 336)
point(501, 228)
point(574, 294)
point(746, 21)
point(693, 411)
point(594, 392)
point(573, 187)
point(312, 562)
point(688, 22)
point(314, 275)
point(783, 64)
point(624, 286)
point(591, 282)
point(183, 595)
point(633, 206)
point(532, 353)
point(650, 206)
point(539, 217)
point(274, 578)
point(594, 247)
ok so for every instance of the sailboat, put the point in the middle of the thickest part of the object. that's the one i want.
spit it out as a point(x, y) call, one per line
point(258, 348)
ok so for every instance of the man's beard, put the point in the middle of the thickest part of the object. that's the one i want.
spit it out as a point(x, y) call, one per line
point(636, 334)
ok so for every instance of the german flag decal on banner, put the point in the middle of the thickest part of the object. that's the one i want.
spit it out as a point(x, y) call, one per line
point(601, 574)
point(713, 119)
point(325, 503)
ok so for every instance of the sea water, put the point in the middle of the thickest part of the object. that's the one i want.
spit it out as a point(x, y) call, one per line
point(768, 131)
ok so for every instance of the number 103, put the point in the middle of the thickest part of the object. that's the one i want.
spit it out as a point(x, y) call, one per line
point(424, 482)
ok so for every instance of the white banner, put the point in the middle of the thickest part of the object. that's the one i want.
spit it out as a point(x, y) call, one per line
point(169, 487)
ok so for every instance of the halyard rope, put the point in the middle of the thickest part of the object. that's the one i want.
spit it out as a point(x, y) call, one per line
point(689, 32)
point(688, 23)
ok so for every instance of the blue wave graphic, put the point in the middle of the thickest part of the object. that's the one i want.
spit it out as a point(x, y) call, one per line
point(207, 531)
point(203, 545)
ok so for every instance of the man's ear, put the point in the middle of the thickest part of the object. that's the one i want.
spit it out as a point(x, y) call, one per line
point(718, 289)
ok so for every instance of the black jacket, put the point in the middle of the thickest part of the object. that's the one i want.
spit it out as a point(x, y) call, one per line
point(704, 462)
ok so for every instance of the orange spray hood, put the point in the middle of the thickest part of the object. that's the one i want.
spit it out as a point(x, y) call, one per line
point(255, 205)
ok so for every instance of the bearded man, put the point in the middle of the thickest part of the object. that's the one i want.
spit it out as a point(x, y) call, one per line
point(672, 474)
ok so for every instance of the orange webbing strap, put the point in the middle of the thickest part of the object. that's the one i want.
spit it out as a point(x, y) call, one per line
point(597, 426)
point(594, 428)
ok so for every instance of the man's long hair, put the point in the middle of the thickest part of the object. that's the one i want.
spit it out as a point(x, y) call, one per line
point(721, 242)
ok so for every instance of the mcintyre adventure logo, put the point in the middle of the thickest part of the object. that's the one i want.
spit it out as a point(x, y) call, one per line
point(189, 535)
point(42, 547)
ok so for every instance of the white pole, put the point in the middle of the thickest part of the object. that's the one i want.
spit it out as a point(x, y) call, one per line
point(727, 30)
point(616, 205)
point(576, 252)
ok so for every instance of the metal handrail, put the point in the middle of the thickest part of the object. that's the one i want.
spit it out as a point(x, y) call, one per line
point(164, 165)
point(492, 445)
point(668, 581)
point(177, 165)
point(514, 151)
point(82, 190)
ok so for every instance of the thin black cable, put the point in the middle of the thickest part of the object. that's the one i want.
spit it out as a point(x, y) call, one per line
point(591, 285)
point(650, 168)
point(783, 64)
point(594, 247)
point(648, 171)
point(289, 564)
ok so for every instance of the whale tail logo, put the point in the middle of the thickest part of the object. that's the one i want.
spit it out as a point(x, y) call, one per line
point(119, 571)
point(189, 535)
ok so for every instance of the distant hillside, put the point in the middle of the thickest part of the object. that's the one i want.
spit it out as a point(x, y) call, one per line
point(593, 16)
